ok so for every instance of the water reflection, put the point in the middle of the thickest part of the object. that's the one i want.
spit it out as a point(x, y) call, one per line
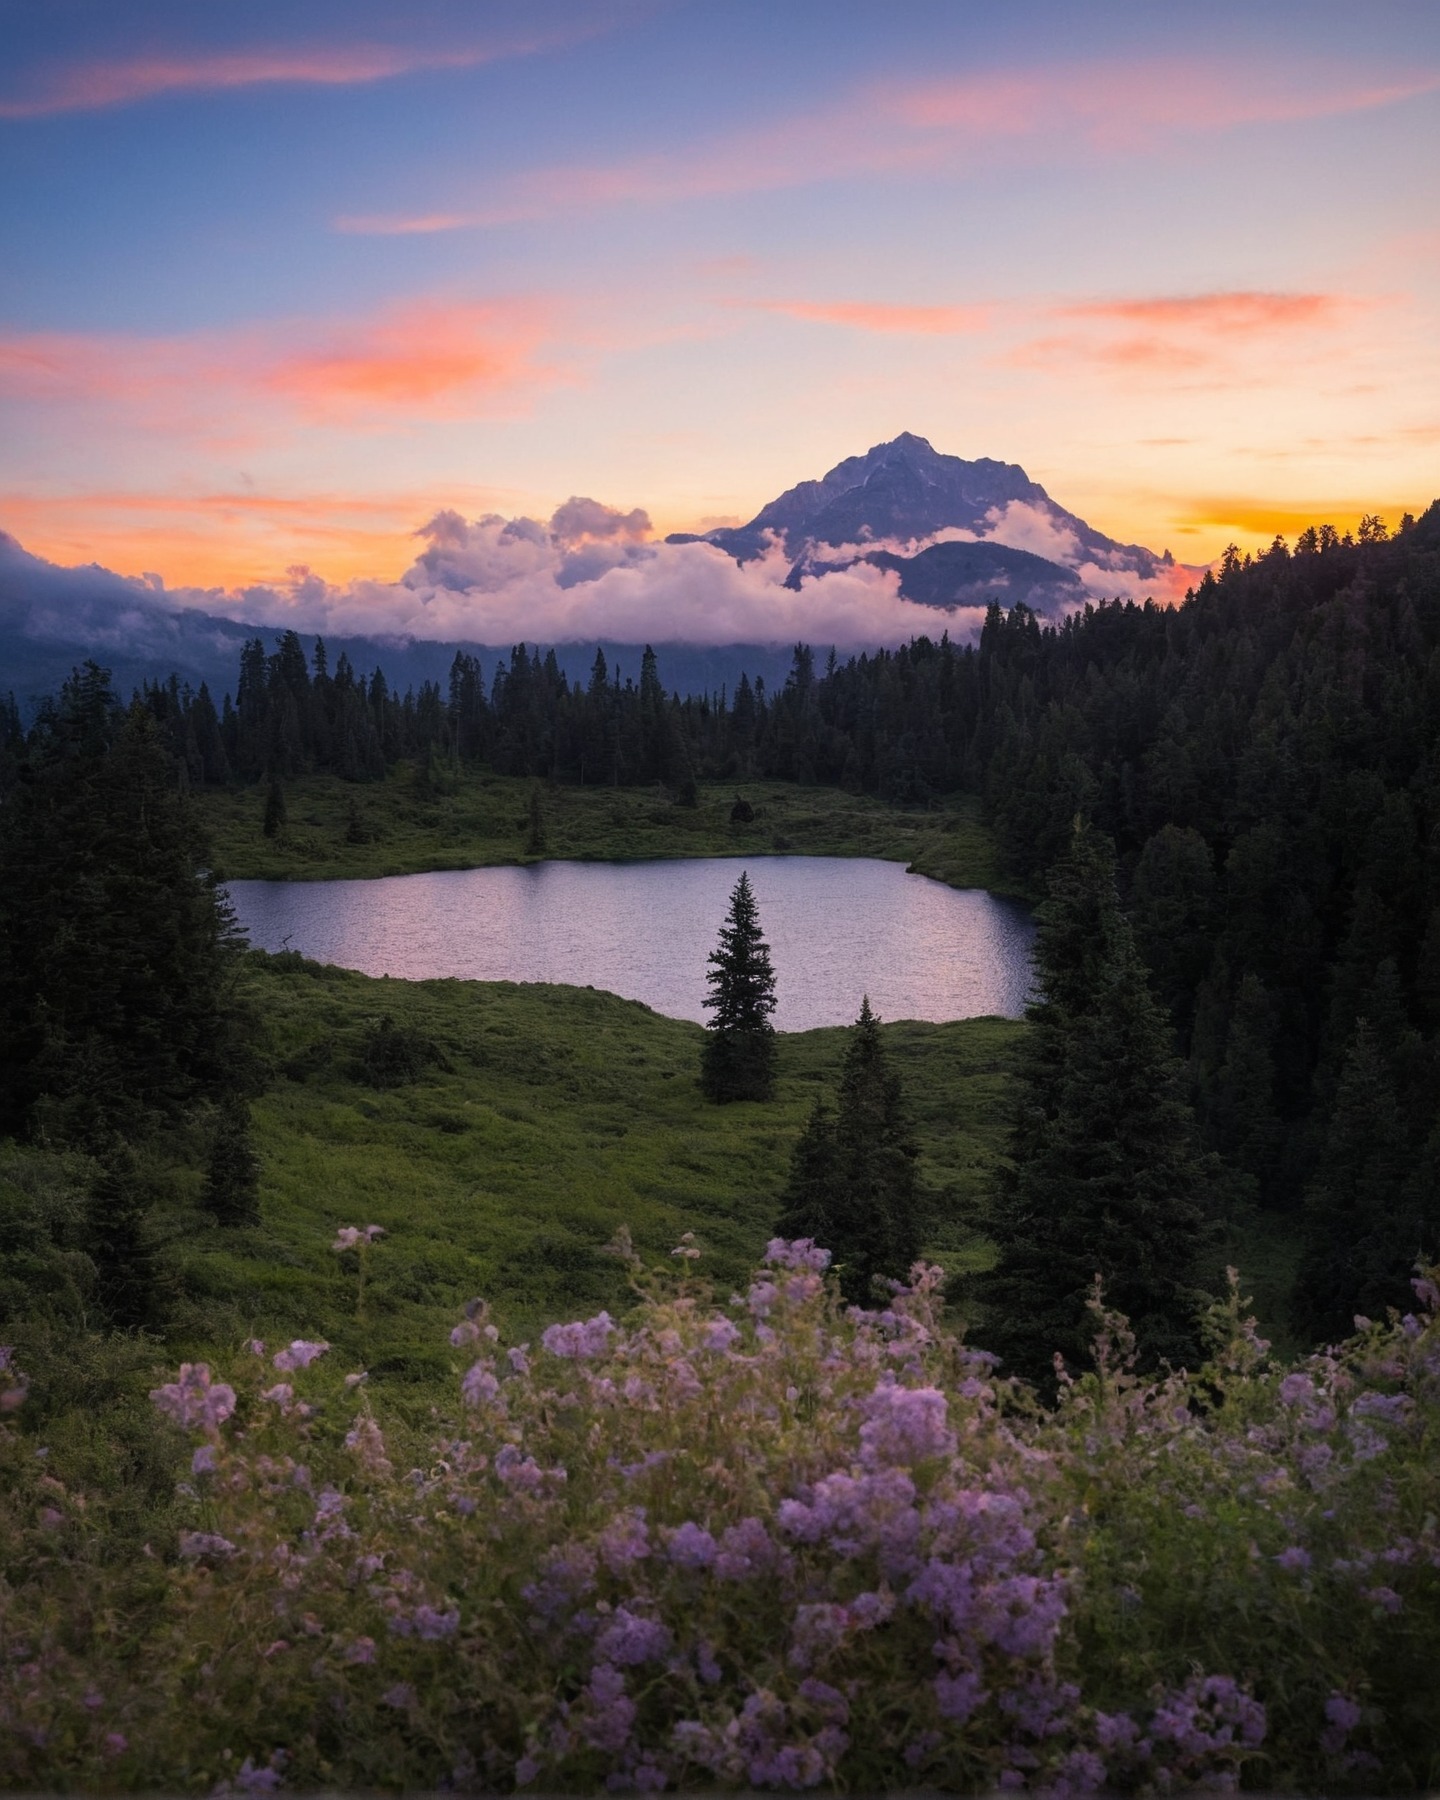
point(837, 927)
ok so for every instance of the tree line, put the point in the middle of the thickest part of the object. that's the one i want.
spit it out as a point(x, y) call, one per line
point(1251, 782)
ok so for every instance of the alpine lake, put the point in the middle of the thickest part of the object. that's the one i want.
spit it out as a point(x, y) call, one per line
point(839, 928)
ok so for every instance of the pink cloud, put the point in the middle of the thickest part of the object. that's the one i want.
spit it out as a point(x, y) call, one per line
point(1243, 310)
point(944, 126)
point(94, 85)
point(426, 358)
point(1185, 334)
point(879, 316)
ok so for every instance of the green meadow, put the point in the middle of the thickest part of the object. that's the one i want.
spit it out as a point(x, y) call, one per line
point(405, 824)
point(532, 1123)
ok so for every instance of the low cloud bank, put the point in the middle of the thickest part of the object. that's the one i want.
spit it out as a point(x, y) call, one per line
point(592, 571)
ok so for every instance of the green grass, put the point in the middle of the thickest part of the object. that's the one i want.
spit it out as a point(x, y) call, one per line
point(553, 1116)
point(485, 821)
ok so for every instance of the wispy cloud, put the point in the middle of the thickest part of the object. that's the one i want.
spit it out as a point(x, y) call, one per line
point(91, 86)
point(882, 317)
point(942, 126)
point(1187, 334)
point(1245, 311)
point(423, 359)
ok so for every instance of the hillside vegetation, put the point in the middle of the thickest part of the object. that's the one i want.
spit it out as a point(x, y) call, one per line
point(474, 818)
point(500, 1134)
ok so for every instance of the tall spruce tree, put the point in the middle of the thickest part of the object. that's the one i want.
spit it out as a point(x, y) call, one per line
point(232, 1170)
point(1105, 1176)
point(738, 1061)
point(118, 952)
point(1364, 1224)
point(852, 1183)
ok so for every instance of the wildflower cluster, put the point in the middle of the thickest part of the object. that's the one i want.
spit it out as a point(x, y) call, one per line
point(779, 1543)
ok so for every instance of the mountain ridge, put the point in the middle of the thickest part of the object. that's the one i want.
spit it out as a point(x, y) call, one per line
point(904, 491)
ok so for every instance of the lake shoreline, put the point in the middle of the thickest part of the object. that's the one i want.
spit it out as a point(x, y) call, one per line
point(339, 830)
point(839, 929)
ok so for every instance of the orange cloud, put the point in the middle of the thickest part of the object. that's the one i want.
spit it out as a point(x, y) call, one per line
point(91, 86)
point(948, 126)
point(1183, 334)
point(434, 360)
point(878, 316)
point(1264, 519)
point(1241, 311)
point(421, 359)
point(230, 537)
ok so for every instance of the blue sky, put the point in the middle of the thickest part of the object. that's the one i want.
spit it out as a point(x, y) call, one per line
point(283, 282)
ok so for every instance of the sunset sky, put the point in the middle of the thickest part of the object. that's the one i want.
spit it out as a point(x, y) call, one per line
point(284, 281)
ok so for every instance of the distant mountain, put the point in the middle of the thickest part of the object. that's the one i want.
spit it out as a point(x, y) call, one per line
point(907, 490)
point(962, 574)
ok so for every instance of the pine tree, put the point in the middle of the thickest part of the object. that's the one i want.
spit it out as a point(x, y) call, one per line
point(536, 839)
point(1105, 1176)
point(130, 1285)
point(738, 1061)
point(118, 953)
point(232, 1171)
point(1361, 1238)
point(275, 815)
point(852, 1183)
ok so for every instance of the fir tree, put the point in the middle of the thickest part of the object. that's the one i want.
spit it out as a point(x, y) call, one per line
point(1361, 1239)
point(118, 953)
point(738, 1061)
point(1105, 1176)
point(232, 1171)
point(275, 814)
point(852, 1183)
point(130, 1284)
point(536, 840)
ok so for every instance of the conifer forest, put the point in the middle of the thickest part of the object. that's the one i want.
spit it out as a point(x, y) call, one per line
point(985, 1476)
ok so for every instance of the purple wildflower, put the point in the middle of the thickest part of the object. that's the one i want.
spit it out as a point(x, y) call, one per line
point(1342, 1715)
point(611, 1712)
point(691, 1546)
point(583, 1339)
point(1392, 1409)
point(195, 1544)
point(480, 1387)
point(746, 1549)
point(797, 1253)
point(630, 1639)
point(194, 1399)
point(904, 1425)
point(299, 1355)
point(719, 1336)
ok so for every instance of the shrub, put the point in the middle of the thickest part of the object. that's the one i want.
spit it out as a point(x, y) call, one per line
point(780, 1543)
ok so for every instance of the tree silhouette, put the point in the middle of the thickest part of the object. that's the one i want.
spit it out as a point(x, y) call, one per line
point(1105, 1176)
point(852, 1183)
point(738, 1062)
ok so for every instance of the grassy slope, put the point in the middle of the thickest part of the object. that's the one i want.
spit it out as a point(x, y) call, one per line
point(558, 1115)
point(486, 821)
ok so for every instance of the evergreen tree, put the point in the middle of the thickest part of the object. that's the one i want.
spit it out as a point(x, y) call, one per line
point(1105, 1177)
point(275, 814)
point(117, 950)
point(536, 840)
point(130, 1284)
point(1361, 1237)
point(852, 1183)
point(232, 1170)
point(738, 1061)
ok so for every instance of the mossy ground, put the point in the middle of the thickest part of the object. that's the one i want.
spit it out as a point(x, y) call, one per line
point(401, 826)
point(551, 1116)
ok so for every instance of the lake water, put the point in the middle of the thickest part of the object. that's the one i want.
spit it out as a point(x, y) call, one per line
point(838, 928)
